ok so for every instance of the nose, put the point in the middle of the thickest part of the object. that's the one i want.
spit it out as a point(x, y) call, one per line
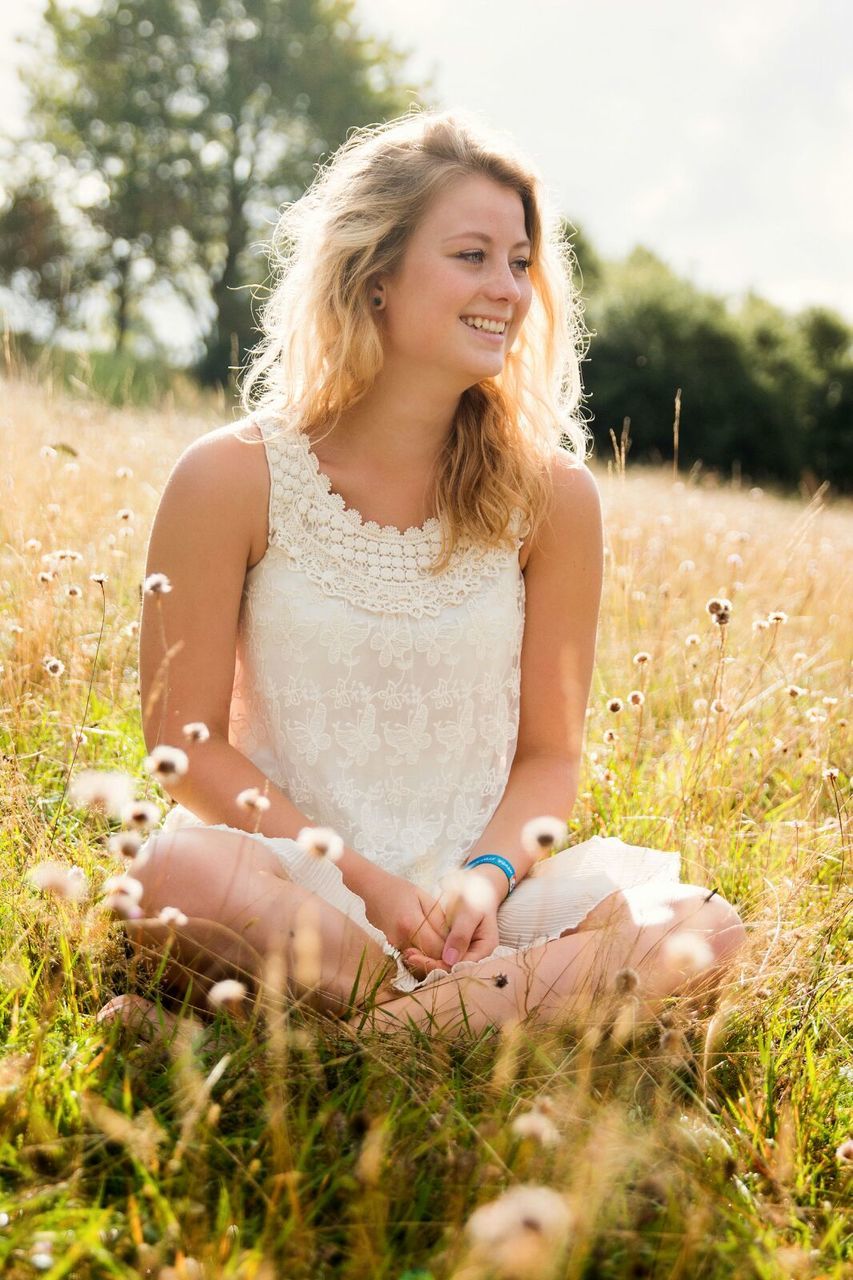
point(503, 284)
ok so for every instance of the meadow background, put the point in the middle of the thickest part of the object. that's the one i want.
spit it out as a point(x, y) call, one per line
point(714, 1144)
point(155, 142)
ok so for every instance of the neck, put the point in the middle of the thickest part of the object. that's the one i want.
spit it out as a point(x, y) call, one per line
point(401, 420)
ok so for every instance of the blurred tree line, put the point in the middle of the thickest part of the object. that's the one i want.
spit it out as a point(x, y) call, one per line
point(164, 135)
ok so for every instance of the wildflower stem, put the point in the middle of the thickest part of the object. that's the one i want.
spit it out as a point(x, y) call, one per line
point(83, 721)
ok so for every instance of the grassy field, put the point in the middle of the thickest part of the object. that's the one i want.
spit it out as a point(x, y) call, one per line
point(280, 1145)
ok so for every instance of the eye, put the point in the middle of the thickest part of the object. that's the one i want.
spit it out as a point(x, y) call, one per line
point(481, 253)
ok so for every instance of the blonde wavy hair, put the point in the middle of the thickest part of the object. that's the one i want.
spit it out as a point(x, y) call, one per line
point(321, 347)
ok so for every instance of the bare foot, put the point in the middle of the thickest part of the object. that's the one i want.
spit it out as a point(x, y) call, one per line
point(139, 1015)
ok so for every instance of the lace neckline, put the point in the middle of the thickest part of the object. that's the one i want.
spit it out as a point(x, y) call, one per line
point(330, 497)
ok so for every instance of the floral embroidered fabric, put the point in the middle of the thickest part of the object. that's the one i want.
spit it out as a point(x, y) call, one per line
point(385, 703)
point(382, 700)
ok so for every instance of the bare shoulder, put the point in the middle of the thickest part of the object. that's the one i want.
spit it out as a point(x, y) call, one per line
point(226, 470)
point(574, 517)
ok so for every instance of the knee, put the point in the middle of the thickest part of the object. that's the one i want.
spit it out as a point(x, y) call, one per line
point(165, 866)
point(716, 919)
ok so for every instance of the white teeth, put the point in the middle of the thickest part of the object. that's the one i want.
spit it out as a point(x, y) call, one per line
point(491, 326)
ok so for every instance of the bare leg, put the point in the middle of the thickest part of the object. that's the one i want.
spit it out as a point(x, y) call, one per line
point(243, 909)
point(570, 974)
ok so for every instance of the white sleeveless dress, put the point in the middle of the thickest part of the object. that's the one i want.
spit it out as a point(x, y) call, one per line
point(384, 702)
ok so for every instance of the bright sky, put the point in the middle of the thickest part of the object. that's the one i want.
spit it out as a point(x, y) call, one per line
point(719, 135)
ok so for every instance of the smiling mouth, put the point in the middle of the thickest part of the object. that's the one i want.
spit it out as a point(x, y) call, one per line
point(495, 338)
point(484, 325)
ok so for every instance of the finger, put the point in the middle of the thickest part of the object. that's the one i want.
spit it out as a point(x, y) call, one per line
point(464, 929)
point(428, 939)
point(421, 964)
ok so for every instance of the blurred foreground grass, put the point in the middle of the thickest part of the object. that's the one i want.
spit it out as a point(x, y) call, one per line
point(282, 1146)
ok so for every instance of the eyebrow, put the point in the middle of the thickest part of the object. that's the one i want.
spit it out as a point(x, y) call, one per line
point(481, 235)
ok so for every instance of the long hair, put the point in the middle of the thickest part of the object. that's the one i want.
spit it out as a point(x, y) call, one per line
point(321, 348)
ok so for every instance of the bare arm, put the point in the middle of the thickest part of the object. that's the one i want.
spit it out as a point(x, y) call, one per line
point(202, 540)
point(563, 582)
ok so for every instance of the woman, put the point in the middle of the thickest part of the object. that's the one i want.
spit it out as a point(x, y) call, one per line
point(384, 593)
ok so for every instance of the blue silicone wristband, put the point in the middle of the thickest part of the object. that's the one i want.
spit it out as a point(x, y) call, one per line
point(498, 861)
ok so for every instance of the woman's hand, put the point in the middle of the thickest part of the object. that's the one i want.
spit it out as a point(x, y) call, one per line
point(410, 917)
point(471, 905)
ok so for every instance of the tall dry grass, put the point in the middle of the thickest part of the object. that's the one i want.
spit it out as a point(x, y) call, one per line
point(279, 1145)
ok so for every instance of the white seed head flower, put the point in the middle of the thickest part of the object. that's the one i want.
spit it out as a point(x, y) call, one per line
point(537, 1125)
point(98, 578)
point(614, 705)
point(778, 616)
point(468, 888)
point(760, 624)
point(636, 697)
point(227, 994)
point(61, 555)
point(692, 640)
point(626, 982)
point(125, 884)
point(141, 814)
point(196, 731)
point(610, 737)
point(673, 1045)
point(322, 842)
point(719, 707)
point(125, 844)
point(167, 763)
point(829, 701)
point(734, 560)
point(539, 835)
point(720, 610)
point(156, 584)
point(123, 905)
point(33, 545)
point(103, 790)
point(254, 799)
point(522, 1232)
point(686, 566)
point(124, 473)
point(46, 575)
point(640, 659)
point(124, 513)
point(173, 916)
point(74, 591)
point(795, 690)
point(53, 666)
point(688, 951)
point(831, 773)
point(60, 880)
point(815, 715)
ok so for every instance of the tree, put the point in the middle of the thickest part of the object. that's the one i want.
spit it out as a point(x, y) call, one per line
point(829, 416)
point(189, 123)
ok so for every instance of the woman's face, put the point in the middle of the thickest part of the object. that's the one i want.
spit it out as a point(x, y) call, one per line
point(468, 257)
